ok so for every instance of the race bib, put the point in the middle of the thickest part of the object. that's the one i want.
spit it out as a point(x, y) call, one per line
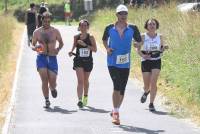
point(154, 47)
point(123, 59)
point(84, 52)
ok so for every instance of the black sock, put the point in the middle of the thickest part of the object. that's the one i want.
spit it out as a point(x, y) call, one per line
point(146, 93)
point(85, 95)
point(46, 98)
point(151, 104)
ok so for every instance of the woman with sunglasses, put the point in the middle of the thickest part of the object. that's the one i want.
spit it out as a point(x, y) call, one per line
point(150, 52)
point(85, 44)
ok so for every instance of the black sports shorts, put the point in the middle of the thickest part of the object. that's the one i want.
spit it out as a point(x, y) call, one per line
point(119, 77)
point(86, 64)
point(148, 65)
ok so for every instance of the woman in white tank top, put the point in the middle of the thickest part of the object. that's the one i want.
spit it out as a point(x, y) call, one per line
point(150, 52)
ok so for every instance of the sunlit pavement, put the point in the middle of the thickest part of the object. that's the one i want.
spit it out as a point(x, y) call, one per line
point(64, 117)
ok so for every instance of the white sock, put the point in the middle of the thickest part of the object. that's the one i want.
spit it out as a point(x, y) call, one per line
point(116, 110)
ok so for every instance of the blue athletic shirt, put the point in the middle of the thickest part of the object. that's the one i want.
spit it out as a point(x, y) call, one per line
point(121, 46)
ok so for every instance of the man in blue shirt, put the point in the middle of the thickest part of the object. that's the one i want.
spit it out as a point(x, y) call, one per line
point(117, 40)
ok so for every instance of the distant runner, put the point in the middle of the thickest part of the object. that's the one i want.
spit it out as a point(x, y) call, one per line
point(31, 21)
point(85, 44)
point(67, 12)
point(44, 43)
point(42, 9)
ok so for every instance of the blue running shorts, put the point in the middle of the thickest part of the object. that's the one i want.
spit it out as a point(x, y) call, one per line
point(49, 62)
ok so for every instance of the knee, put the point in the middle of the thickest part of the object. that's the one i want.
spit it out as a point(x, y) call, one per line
point(80, 82)
point(122, 92)
point(154, 86)
point(52, 84)
point(44, 81)
point(86, 82)
point(146, 87)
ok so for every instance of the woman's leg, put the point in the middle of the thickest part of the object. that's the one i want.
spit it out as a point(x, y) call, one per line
point(146, 79)
point(86, 88)
point(80, 79)
point(153, 85)
point(86, 82)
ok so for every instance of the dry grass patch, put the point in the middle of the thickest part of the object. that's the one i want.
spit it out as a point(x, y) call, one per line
point(8, 71)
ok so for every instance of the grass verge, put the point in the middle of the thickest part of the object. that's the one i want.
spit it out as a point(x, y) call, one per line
point(180, 75)
point(10, 37)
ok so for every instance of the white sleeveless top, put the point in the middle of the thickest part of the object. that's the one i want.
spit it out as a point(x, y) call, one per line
point(152, 44)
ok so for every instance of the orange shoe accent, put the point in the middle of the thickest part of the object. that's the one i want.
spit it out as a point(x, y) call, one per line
point(115, 119)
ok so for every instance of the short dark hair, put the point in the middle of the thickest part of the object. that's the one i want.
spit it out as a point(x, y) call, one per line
point(152, 19)
point(46, 15)
point(32, 5)
point(84, 21)
point(42, 10)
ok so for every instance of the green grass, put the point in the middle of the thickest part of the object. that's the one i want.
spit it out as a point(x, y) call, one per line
point(180, 73)
point(21, 3)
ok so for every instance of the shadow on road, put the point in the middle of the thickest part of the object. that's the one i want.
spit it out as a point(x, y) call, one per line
point(159, 112)
point(140, 130)
point(92, 109)
point(60, 110)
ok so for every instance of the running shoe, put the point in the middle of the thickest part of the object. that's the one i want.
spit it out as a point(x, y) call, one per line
point(144, 97)
point(80, 104)
point(85, 100)
point(115, 118)
point(47, 104)
point(54, 93)
point(151, 107)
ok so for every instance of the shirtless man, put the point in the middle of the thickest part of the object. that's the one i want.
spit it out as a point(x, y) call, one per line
point(44, 43)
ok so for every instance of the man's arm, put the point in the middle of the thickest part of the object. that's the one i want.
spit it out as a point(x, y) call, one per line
point(59, 39)
point(34, 41)
point(105, 39)
point(137, 37)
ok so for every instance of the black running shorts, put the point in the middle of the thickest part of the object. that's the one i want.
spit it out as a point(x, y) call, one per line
point(148, 65)
point(119, 77)
point(86, 64)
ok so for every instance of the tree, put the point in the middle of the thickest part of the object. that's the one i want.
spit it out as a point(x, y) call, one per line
point(6, 5)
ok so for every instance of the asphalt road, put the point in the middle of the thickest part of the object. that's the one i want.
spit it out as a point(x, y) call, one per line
point(29, 117)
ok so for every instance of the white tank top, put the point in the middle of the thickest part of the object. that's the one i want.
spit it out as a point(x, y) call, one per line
point(152, 44)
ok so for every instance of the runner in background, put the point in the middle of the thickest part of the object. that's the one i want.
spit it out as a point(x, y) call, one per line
point(31, 21)
point(67, 12)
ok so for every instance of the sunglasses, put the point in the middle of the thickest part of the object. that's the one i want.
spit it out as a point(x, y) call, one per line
point(123, 13)
point(152, 24)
